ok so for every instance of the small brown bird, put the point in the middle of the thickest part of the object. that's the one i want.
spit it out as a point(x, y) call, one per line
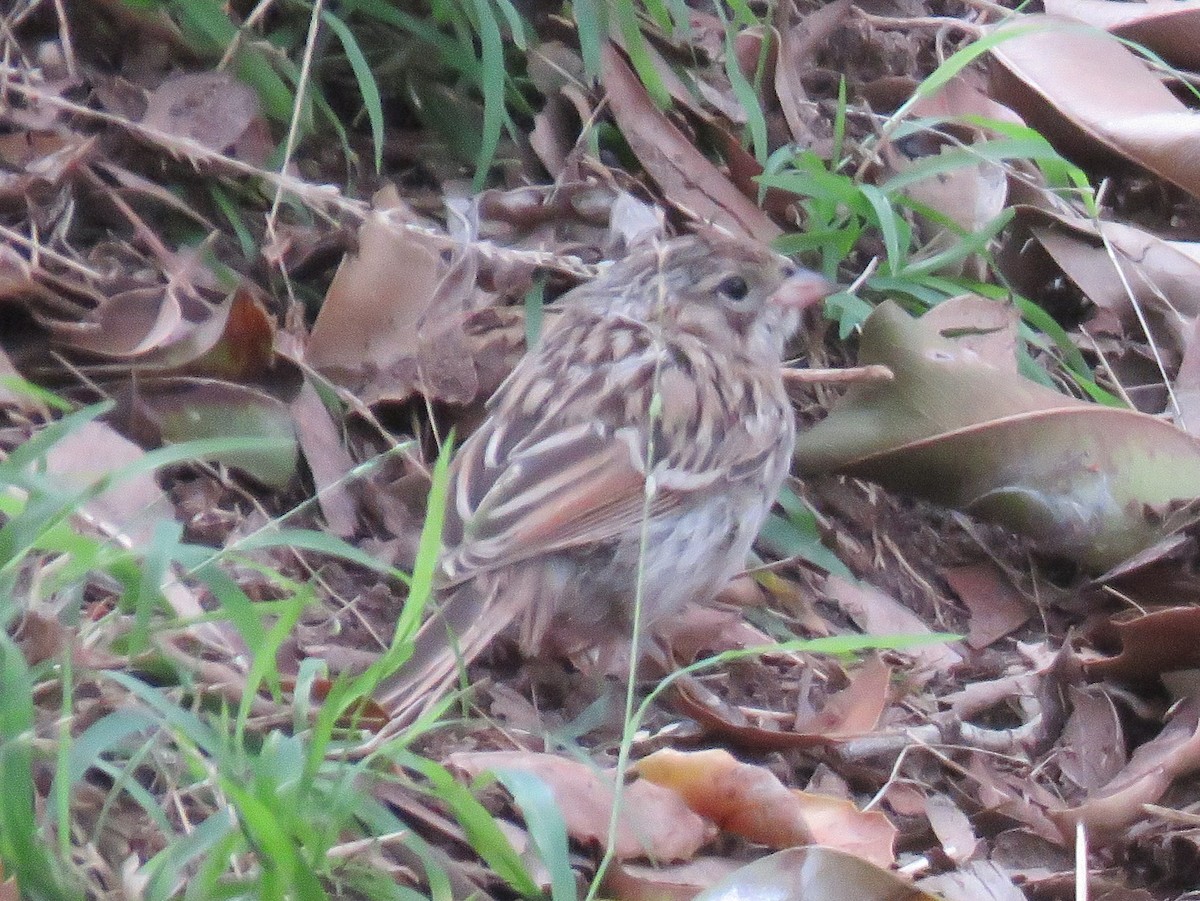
point(646, 436)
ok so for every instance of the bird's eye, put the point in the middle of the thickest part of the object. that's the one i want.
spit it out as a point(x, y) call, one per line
point(734, 287)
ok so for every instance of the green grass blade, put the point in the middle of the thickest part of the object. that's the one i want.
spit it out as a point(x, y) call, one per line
point(367, 88)
point(756, 121)
point(483, 833)
point(491, 58)
point(217, 834)
point(591, 21)
point(516, 26)
point(797, 536)
point(890, 226)
point(546, 828)
point(428, 549)
point(639, 54)
point(534, 301)
point(23, 850)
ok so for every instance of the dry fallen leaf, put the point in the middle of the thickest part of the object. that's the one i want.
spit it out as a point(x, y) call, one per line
point(806, 874)
point(370, 315)
point(683, 173)
point(1150, 643)
point(1090, 483)
point(1170, 755)
point(1172, 30)
point(1092, 748)
point(1120, 108)
point(212, 108)
point(328, 460)
point(997, 609)
point(750, 801)
point(655, 822)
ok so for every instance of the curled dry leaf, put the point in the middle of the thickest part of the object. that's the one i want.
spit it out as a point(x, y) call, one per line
point(1149, 644)
point(245, 350)
point(970, 196)
point(846, 714)
point(1120, 108)
point(683, 173)
point(165, 331)
point(801, 874)
point(1090, 483)
point(655, 822)
point(132, 324)
point(750, 801)
point(703, 630)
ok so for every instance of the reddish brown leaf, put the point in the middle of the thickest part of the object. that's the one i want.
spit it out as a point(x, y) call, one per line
point(750, 801)
point(1121, 108)
point(1172, 30)
point(1151, 643)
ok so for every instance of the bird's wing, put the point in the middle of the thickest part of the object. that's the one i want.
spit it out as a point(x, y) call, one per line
point(545, 474)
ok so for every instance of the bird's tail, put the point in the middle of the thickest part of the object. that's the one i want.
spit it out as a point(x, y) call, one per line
point(466, 620)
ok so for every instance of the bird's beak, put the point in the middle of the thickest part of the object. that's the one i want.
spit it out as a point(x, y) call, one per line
point(801, 290)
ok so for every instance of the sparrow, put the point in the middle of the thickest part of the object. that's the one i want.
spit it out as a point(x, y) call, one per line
point(640, 444)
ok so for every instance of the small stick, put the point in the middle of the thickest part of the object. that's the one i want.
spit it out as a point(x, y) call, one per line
point(875, 372)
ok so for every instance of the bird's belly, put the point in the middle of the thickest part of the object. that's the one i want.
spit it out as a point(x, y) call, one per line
point(590, 593)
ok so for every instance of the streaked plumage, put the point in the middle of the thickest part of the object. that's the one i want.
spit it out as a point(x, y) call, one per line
point(544, 521)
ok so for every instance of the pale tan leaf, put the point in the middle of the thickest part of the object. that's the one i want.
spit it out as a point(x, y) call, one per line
point(805, 874)
point(212, 108)
point(1121, 107)
point(370, 315)
point(1170, 29)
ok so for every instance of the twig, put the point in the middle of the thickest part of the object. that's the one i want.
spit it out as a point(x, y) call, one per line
point(874, 372)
